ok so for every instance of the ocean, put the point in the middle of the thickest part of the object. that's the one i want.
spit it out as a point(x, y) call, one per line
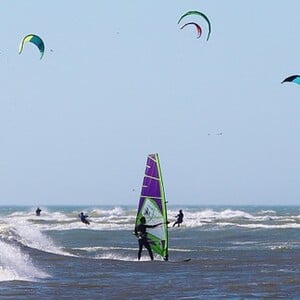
point(250, 252)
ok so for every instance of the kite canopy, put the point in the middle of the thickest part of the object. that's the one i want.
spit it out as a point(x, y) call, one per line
point(292, 78)
point(195, 12)
point(35, 40)
point(199, 30)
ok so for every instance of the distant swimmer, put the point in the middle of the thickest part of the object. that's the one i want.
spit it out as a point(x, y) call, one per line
point(179, 219)
point(38, 211)
point(83, 218)
point(141, 233)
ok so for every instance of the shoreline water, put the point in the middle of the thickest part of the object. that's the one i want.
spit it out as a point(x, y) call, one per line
point(236, 252)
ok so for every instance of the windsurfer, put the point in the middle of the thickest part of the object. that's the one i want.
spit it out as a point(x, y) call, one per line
point(38, 211)
point(141, 233)
point(179, 218)
point(83, 218)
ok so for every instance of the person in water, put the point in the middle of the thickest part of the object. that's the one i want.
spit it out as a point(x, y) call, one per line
point(141, 233)
point(38, 211)
point(179, 218)
point(83, 218)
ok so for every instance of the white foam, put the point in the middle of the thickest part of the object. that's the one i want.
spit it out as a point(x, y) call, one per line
point(96, 248)
point(116, 218)
point(16, 265)
point(29, 235)
point(182, 250)
point(230, 217)
point(116, 211)
point(94, 225)
point(45, 216)
point(111, 256)
point(281, 247)
point(263, 212)
point(260, 225)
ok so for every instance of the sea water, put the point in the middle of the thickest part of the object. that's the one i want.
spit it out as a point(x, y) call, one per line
point(235, 252)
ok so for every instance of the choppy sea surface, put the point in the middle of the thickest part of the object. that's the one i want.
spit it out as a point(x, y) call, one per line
point(236, 253)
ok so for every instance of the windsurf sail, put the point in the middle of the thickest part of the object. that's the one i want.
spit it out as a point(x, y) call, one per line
point(153, 206)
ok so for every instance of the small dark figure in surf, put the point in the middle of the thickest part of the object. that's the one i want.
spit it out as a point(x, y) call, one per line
point(141, 233)
point(83, 218)
point(38, 211)
point(179, 218)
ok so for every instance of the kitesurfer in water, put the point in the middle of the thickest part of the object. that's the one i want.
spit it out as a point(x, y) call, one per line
point(83, 218)
point(38, 211)
point(179, 218)
point(141, 233)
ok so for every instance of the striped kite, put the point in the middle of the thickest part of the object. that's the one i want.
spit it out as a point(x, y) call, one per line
point(199, 30)
point(195, 12)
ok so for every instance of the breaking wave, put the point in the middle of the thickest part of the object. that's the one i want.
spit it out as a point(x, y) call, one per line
point(17, 265)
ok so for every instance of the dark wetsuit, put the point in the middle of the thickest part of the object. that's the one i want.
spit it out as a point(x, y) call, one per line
point(38, 211)
point(179, 219)
point(83, 219)
point(141, 233)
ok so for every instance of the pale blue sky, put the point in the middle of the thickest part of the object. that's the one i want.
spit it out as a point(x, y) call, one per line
point(124, 81)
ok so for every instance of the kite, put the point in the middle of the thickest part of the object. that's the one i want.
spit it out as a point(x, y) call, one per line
point(195, 12)
point(199, 30)
point(35, 40)
point(293, 78)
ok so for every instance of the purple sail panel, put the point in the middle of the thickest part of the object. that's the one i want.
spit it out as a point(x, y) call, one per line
point(151, 184)
point(141, 203)
point(151, 167)
point(151, 188)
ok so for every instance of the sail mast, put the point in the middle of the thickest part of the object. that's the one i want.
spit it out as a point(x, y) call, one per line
point(164, 206)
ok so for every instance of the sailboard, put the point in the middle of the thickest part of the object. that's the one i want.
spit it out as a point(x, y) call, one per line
point(153, 206)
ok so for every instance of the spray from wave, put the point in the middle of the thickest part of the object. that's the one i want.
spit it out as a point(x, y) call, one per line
point(16, 265)
point(33, 238)
point(29, 235)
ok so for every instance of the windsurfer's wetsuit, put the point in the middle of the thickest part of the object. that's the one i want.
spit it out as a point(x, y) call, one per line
point(141, 233)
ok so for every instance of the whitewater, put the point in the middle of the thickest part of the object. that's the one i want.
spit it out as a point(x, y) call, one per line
point(235, 252)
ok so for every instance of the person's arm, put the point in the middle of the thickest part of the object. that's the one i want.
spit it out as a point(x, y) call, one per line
point(152, 226)
point(135, 230)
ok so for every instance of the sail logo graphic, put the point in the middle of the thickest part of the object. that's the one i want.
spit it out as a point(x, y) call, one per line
point(151, 211)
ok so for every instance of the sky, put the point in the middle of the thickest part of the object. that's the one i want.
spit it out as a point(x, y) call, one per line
point(119, 80)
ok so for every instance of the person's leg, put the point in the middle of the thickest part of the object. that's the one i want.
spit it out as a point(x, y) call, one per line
point(140, 249)
point(147, 246)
